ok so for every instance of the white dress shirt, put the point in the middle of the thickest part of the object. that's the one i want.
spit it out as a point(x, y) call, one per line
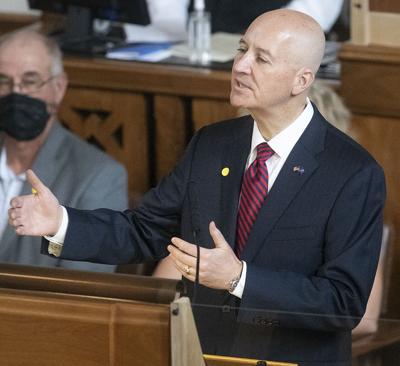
point(10, 186)
point(282, 144)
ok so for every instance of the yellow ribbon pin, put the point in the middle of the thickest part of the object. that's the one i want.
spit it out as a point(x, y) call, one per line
point(34, 191)
point(225, 171)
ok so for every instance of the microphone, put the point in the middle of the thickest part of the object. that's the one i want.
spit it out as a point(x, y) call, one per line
point(195, 219)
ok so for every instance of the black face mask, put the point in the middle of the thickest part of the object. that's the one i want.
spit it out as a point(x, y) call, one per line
point(22, 117)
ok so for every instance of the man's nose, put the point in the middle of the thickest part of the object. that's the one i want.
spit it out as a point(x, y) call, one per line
point(16, 87)
point(243, 64)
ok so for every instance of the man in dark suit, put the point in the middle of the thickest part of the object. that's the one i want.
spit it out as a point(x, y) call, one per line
point(286, 208)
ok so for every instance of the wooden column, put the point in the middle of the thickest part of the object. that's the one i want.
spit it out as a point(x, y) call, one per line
point(375, 22)
point(371, 88)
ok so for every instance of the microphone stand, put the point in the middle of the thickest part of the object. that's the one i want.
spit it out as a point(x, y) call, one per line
point(196, 229)
point(196, 281)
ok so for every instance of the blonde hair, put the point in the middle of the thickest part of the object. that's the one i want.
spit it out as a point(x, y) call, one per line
point(330, 105)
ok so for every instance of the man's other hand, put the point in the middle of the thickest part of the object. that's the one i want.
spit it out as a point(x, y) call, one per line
point(218, 266)
point(37, 214)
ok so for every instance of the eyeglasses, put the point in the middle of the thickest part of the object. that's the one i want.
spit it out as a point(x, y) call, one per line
point(28, 84)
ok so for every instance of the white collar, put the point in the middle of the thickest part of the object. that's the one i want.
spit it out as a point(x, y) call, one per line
point(284, 141)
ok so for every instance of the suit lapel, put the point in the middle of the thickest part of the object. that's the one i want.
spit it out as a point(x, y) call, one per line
point(288, 183)
point(234, 158)
point(51, 158)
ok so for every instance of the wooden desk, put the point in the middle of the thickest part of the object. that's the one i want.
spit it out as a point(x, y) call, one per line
point(61, 317)
point(12, 21)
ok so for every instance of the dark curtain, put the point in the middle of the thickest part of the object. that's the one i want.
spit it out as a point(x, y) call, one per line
point(234, 16)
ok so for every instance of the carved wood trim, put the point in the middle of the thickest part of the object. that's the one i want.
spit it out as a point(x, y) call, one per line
point(116, 123)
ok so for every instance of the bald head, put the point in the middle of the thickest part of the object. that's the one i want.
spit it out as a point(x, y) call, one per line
point(299, 36)
point(275, 66)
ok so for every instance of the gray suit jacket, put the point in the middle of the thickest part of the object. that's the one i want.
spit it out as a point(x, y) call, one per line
point(80, 176)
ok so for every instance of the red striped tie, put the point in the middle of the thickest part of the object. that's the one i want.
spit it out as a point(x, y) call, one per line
point(253, 193)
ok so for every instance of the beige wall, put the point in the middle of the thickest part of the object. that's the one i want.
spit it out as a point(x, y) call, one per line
point(15, 6)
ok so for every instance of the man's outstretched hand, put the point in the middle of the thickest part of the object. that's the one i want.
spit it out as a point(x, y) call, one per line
point(36, 214)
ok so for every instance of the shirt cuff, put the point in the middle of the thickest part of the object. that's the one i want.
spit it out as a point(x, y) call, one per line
point(238, 291)
point(56, 242)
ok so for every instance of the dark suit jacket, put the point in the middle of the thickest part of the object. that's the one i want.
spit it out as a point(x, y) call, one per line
point(311, 255)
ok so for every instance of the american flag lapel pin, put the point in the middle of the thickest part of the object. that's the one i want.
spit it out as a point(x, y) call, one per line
point(298, 169)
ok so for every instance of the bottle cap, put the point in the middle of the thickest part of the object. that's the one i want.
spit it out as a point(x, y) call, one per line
point(199, 5)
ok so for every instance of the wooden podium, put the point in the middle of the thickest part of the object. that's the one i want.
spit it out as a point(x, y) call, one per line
point(60, 317)
point(212, 360)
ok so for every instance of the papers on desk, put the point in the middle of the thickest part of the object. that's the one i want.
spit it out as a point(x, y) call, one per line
point(223, 48)
point(150, 52)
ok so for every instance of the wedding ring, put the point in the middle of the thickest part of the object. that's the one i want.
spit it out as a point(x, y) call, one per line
point(187, 269)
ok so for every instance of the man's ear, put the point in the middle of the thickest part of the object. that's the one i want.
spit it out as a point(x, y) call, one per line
point(61, 83)
point(303, 80)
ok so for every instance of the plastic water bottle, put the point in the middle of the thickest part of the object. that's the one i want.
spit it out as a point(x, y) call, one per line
point(199, 34)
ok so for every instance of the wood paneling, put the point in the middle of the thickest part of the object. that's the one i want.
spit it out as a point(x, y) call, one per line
point(171, 130)
point(176, 102)
point(114, 121)
point(177, 118)
point(379, 93)
point(381, 137)
point(371, 89)
point(388, 6)
point(206, 111)
point(375, 22)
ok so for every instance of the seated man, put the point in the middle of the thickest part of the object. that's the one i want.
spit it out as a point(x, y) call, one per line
point(32, 85)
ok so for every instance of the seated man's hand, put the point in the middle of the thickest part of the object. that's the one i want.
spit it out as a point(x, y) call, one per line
point(218, 266)
point(36, 214)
